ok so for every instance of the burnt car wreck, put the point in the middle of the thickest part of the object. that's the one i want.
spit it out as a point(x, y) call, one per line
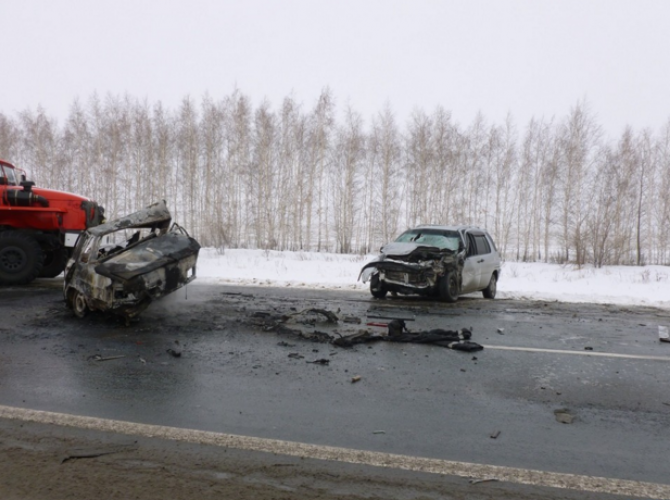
point(435, 261)
point(124, 265)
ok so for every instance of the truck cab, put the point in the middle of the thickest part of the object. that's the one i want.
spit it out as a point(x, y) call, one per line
point(38, 226)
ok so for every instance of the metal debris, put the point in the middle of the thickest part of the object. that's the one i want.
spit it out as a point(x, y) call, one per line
point(322, 361)
point(564, 416)
point(99, 357)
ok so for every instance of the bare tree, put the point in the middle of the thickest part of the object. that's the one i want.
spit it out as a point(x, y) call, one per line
point(418, 161)
point(384, 180)
point(321, 126)
point(347, 158)
point(579, 142)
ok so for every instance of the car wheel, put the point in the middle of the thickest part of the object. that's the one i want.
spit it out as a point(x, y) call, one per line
point(490, 291)
point(376, 288)
point(448, 288)
point(79, 305)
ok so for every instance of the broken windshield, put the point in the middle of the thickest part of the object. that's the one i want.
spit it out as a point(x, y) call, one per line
point(444, 240)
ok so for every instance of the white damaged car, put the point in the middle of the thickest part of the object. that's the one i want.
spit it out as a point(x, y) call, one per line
point(437, 261)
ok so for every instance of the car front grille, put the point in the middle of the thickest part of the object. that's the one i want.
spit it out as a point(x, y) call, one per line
point(414, 279)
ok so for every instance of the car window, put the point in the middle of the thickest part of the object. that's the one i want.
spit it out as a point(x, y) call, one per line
point(483, 246)
point(87, 252)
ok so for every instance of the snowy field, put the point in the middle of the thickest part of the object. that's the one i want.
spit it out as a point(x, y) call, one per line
point(624, 285)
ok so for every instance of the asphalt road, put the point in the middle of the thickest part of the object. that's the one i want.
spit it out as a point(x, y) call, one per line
point(601, 368)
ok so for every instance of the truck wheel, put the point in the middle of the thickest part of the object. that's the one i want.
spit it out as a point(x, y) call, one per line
point(54, 262)
point(21, 258)
point(79, 305)
point(448, 288)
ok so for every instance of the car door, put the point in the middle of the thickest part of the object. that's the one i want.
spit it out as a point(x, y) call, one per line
point(485, 260)
point(471, 268)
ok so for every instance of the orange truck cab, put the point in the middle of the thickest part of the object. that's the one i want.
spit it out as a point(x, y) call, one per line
point(38, 227)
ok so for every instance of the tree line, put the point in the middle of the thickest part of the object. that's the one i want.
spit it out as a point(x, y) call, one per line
point(320, 179)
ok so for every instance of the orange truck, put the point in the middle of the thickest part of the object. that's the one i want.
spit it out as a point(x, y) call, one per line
point(38, 227)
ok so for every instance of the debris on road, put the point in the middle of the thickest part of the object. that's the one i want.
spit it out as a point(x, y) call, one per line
point(355, 378)
point(322, 361)
point(173, 353)
point(564, 416)
point(374, 315)
point(76, 455)
point(486, 480)
point(296, 355)
point(663, 333)
point(99, 357)
point(330, 316)
point(458, 340)
point(494, 435)
point(501, 331)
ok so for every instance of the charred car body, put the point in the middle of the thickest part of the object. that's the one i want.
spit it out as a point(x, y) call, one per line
point(123, 265)
point(438, 261)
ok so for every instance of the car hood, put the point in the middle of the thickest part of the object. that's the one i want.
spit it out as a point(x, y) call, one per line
point(403, 249)
point(149, 255)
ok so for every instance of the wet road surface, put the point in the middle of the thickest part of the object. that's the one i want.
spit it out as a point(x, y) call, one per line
point(602, 365)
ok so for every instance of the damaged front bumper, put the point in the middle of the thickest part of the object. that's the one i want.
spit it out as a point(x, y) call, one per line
point(406, 277)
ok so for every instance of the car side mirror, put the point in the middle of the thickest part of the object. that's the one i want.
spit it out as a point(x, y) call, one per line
point(461, 246)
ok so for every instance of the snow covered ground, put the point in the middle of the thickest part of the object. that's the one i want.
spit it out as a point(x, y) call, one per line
point(648, 285)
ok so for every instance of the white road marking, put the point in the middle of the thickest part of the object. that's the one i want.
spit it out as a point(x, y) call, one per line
point(595, 484)
point(579, 353)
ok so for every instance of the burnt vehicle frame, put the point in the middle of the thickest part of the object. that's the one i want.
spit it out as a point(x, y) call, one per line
point(436, 261)
point(124, 265)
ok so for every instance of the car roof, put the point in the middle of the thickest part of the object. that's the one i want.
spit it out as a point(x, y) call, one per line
point(448, 228)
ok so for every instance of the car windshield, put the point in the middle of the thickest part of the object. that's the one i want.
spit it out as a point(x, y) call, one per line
point(442, 239)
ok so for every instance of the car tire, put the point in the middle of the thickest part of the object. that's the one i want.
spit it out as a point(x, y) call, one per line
point(490, 291)
point(21, 258)
point(376, 288)
point(448, 288)
point(79, 305)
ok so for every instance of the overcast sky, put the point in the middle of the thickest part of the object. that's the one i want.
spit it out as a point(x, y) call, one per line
point(529, 58)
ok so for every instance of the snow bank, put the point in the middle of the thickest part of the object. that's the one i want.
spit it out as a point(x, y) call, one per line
point(648, 285)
